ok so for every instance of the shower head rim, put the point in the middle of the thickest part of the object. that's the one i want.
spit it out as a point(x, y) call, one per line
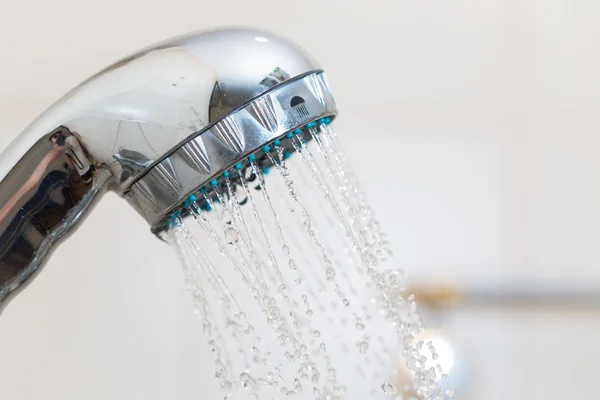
point(209, 126)
point(233, 138)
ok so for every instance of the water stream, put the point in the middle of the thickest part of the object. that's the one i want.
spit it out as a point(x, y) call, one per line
point(293, 282)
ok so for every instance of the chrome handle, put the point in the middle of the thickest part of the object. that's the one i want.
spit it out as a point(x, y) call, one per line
point(42, 198)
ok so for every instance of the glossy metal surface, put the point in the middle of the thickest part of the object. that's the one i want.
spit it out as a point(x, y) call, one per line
point(133, 113)
point(132, 120)
point(45, 194)
point(230, 140)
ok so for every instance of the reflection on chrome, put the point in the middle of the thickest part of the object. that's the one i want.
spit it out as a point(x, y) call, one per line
point(42, 195)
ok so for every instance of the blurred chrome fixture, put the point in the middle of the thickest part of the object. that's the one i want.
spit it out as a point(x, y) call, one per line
point(525, 294)
point(154, 127)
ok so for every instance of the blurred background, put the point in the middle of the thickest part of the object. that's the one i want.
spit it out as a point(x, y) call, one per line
point(484, 115)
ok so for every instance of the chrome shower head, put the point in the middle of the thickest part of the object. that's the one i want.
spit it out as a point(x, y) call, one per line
point(154, 127)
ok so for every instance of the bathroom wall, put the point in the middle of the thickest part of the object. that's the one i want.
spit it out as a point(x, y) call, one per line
point(480, 124)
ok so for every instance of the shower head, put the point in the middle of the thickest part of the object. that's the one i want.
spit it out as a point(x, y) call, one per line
point(154, 127)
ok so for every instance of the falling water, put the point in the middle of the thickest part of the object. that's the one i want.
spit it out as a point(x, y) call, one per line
point(287, 268)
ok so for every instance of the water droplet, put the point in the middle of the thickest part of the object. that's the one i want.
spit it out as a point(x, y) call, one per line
point(331, 374)
point(226, 386)
point(363, 347)
point(388, 388)
point(330, 273)
point(232, 235)
point(247, 381)
point(346, 302)
point(315, 378)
